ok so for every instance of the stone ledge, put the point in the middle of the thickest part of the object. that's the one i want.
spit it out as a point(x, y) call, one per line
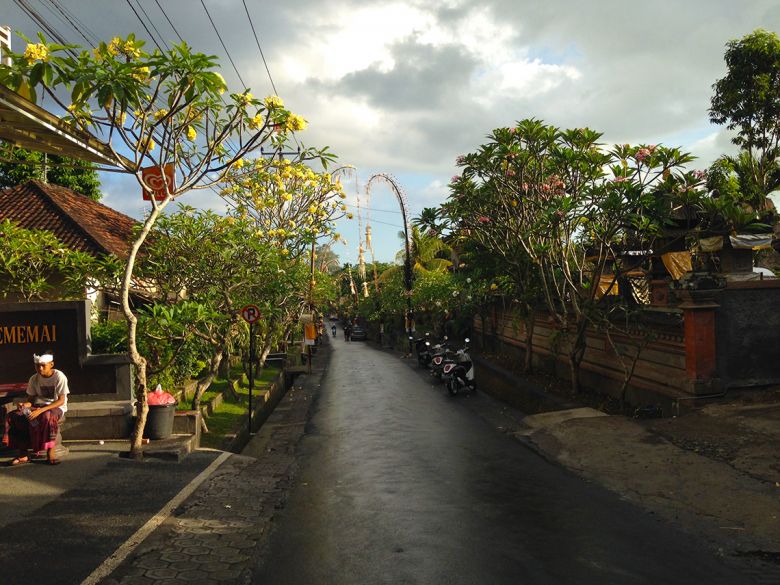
point(101, 408)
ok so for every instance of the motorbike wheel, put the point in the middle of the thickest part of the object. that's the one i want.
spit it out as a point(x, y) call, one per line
point(452, 386)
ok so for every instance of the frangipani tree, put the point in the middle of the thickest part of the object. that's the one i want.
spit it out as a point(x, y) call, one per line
point(169, 111)
point(557, 207)
point(289, 203)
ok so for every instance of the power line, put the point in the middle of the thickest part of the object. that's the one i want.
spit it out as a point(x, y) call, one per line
point(223, 43)
point(74, 22)
point(259, 48)
point(372, 209)
point(165, 14)
point(141, 20)
point(38, 19)
point(141, 6)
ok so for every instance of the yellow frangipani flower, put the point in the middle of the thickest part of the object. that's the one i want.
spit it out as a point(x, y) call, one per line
point(312, 209)
point(129, 50)
point(295, 123)
point(350, 216)
point(114, 46)
point(287, 196)
point(285, 251)
point(245, 99)
point(493, 286)
point(160, 114)
point(36, 52)
point(273, 101)
point(239, 164)
point(150, 145)
point(142, 74)
point(343, 195)
point(191, 133)
point(256, 123)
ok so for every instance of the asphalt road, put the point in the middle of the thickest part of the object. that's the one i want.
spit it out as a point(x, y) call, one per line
point(400, 483)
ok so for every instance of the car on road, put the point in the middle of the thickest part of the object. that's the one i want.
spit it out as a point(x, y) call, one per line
point(358, 333)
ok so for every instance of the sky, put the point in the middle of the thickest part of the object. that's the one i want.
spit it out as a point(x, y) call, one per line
point(403, 88)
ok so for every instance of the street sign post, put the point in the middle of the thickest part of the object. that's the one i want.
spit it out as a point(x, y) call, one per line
point(251, 314)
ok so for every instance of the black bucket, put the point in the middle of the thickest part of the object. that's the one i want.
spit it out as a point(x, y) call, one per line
point(159, 421)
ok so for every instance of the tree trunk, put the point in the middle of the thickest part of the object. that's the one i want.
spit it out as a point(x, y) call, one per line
point(142, 405)
point(204, 382)
point(530, 322)
point(576, 353)
point(224, 366)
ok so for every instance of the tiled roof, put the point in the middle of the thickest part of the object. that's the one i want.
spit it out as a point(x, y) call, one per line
point(78, 221)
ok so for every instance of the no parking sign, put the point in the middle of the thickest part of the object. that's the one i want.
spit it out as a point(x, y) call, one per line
point(251, 314)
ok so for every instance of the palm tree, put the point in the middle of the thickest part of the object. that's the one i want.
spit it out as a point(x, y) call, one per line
point(428, 253)
point(428, 219)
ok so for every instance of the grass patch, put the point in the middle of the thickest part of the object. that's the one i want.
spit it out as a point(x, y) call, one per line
point(226, 420)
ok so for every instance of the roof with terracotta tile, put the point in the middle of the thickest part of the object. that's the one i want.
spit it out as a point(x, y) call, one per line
point(78, 221)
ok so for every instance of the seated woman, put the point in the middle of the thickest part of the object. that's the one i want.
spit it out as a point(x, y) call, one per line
point(35, 423)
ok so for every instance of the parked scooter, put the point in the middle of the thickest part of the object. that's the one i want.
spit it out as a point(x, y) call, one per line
point(460, 373)
point(441, 355)
point(422, 347)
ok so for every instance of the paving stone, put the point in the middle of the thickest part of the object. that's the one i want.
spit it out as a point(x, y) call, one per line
point(136, 580)
point(213, 566)
point(166, 573)
point(195, 551)
point(192, 574)
point(152, 562)
point(185, 566)
point(227, 574)
point(171, 556)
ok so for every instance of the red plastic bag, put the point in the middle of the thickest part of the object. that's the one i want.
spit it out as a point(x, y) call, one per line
point(158, 397)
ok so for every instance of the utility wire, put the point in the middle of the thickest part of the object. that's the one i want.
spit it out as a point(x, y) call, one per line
point(223, 43)
point(72, 21)
point(165, 14)
point(141, 20)
point(141, 6)
point(259, 48)
point(373, 209)
point(38, 19)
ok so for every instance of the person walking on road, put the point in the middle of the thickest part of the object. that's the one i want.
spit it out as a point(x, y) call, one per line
point(347, 331)
point(333, 330)
point(35, 423)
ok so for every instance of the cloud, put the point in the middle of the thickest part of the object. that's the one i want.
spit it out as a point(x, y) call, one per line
point(406, 86)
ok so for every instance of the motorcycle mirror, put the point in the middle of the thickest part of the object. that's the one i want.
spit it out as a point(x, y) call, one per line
point(410, 338)
point(428, 343)
point(446, 338)
point(467, 340)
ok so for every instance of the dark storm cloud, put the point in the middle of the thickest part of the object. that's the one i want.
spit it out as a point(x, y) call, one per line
point(423, 77)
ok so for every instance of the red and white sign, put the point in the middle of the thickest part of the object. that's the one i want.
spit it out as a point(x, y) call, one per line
point(251, 314)
point(157, 179)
